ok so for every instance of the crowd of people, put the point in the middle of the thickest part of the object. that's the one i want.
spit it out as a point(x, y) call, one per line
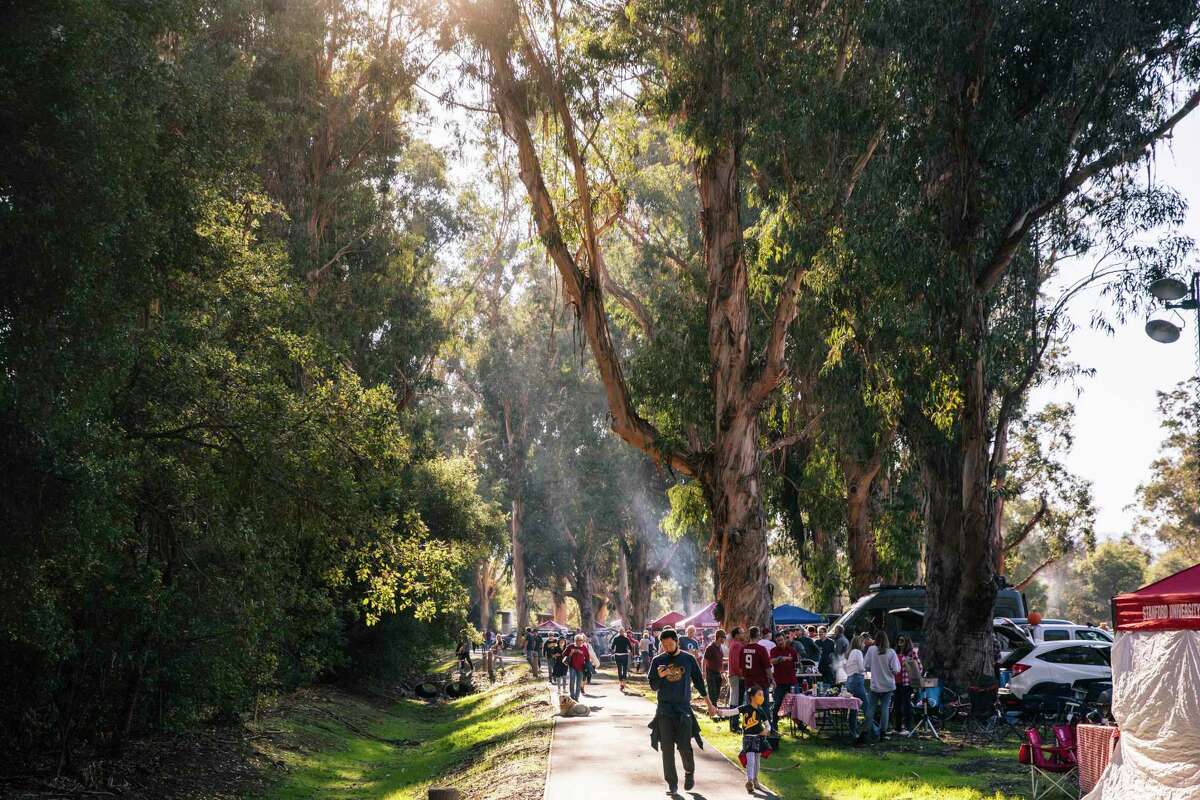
point(757, 667)
point(806, 658)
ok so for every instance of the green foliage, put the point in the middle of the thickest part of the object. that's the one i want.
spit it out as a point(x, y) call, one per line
point(1170, 499)
point(1113, 568)
point(213, 486)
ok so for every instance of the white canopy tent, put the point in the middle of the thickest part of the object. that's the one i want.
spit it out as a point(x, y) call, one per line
point(1156, 693)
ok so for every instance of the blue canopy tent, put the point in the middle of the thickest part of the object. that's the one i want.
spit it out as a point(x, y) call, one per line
point(795, 615)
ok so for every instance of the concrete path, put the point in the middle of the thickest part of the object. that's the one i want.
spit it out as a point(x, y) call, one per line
point(607, 755)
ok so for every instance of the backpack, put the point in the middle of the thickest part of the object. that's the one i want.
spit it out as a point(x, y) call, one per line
point(914, 671)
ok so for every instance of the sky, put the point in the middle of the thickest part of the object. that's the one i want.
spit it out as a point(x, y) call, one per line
point(1117, 433)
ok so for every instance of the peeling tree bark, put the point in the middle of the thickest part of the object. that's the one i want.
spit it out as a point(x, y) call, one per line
point(558, 599)
point(959, 557)
point(860, 539)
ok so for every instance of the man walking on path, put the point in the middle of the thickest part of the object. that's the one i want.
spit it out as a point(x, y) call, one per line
point(621, 646)
point(531, 651)
point(673, 676)
point(714, 659)
point(644, 651)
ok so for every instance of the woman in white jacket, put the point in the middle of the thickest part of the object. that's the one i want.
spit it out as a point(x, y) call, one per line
point(855, 667)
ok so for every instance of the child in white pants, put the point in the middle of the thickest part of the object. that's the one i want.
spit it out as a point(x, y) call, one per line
point(755, 723)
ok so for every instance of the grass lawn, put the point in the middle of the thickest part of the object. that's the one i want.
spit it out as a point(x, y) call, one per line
point(818, 767)
point(821, 767)
point(491, 745)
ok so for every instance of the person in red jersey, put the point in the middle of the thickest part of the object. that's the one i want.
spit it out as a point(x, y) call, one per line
point(756, 661)
point(783, 659)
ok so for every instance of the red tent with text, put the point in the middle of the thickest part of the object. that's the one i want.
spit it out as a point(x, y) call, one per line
point(1168, 605)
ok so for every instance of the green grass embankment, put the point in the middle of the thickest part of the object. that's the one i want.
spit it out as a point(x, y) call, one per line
point(492, 745)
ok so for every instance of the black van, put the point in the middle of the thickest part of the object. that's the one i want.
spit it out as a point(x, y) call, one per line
point(871, 611)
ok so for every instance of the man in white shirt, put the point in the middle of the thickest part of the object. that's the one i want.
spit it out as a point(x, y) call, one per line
point(767, 641)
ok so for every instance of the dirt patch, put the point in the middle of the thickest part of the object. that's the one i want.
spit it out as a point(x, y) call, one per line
point(218, 763)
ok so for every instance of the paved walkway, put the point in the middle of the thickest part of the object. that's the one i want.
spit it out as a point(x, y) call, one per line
point(607, 755)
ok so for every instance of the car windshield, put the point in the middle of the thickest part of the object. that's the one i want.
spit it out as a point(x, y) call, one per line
point(859, 604)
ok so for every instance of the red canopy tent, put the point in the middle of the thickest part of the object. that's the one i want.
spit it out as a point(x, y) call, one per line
point(551, 625)
point(666, 620)
point(701, 619)
point(1171, 604)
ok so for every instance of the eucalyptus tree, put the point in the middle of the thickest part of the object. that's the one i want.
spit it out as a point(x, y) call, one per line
point(1018, 118)
point(1170, 498)
point(774, 105)
point(1047, 508)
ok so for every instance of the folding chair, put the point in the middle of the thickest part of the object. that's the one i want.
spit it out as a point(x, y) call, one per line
point(1064, 737)
point(1050, 766)
point(925, 704)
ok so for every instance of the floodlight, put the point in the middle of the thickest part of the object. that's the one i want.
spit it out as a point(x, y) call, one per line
point(1160, 330)
point(1169, 289)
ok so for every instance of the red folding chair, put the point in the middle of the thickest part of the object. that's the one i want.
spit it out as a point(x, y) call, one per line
point(1050, 766)
point(1064, 735)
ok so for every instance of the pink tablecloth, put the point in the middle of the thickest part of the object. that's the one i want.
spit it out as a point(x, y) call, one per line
point(804, 707)
point(1095, 744)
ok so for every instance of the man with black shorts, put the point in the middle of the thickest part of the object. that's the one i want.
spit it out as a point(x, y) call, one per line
point(673, 675)
point(621, 645)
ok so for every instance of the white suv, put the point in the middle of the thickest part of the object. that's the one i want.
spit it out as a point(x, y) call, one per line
point(1063, 633)
point(1057, 662)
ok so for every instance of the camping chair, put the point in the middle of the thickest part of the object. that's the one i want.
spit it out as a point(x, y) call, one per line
point(926, 703)
point(1064, 736)
point(1050, 766)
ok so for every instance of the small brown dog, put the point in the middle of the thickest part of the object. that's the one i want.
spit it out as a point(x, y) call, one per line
point(569, 708)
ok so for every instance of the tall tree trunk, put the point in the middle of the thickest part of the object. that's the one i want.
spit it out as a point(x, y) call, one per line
point(558, 599)
point(734, 484)
point(485, 588)
point(600, 606)
point(959, 558)
point(860, 539)
point(685, 599)
point(620, 592)
point(581, 590)
point(1000, 465)
point(641, 578)
point(518, 562)
point(739, 527)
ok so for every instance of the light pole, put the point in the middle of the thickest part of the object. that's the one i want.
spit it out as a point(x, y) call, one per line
point(1170, 290)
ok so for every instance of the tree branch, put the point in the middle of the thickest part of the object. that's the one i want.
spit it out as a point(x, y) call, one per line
point(1023, 584)
point(583, 292)
point(1028, 527)
point(1022, 221)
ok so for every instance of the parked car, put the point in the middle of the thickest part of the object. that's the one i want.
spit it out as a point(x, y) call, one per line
point(871, 612)
point(910, 623)
point(1035, 668)
point(1062, 632)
